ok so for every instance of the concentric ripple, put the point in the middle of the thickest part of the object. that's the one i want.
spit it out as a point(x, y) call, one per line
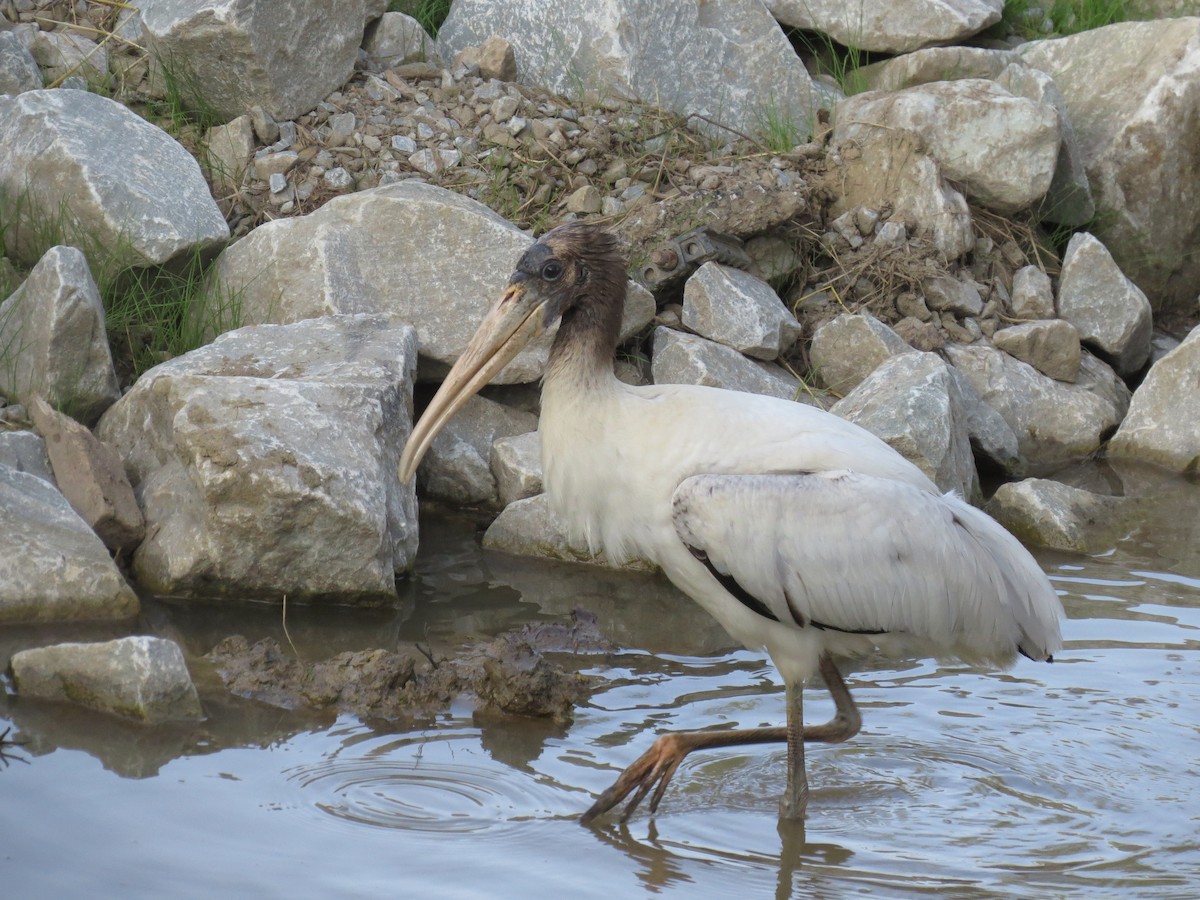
point(419, 795)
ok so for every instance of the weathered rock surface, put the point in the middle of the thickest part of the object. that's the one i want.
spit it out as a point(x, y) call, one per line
point(999, 148)
point(90, 475)
point(517, 466)
point(447, 258)
point(229, 55)
point(1051, 346)
point(265, 463)
point(18, 69)
point(909, 401)
point(1111, 315)
point(395, 39)
point(890, 27)
point(140, 677)
point(1055, 422)
point(734, 308)
point(1133, 95)
point(718, 60)
point(890, 169)
point(1163, 425)
point(531, 527)
point(1050, 514)
point(458, 466)
point(1032, 296)
point(52, 338)
point(681, 358)
point(98, 170)
point(847, 349)
point(25, 451)
point(52, 565)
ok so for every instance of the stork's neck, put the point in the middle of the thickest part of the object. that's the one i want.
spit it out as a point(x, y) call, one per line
point(582, 356)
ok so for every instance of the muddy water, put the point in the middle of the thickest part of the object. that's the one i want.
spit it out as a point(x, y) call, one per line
point(1078, 777)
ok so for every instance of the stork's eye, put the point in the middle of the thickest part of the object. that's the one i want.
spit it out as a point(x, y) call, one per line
point(552, 271)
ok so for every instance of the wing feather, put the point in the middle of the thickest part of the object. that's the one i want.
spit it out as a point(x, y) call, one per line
point(859, 553)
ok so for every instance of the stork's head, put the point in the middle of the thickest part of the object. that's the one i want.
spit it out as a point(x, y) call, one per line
point(571, 270)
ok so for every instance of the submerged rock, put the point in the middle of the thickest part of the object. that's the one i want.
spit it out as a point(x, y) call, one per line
point(136, 677)
point(1053, 515)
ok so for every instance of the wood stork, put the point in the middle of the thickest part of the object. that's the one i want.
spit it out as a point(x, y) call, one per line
point(799, 532)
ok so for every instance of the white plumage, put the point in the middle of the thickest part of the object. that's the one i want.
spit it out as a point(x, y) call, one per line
point(799, 532)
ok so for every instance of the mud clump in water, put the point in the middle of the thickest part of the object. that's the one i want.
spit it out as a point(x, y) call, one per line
point(508, 673)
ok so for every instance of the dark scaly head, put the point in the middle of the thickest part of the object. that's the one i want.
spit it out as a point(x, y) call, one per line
point(576, 274)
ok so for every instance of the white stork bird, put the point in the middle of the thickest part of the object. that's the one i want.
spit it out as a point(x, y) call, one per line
point(799, 532)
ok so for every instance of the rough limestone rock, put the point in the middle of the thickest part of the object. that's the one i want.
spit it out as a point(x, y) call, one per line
point(266, 463)
point(395, 39)
point(90, 475)
point(25, 451)
point(63, 53)
point(53, 339)
point(531, 527)
point(935, 64)
point(992, 438)
point(99, 169)
point(727, 61)
point(847, 349)
point(1051, 514)
point(517, 466)
point(228, 152)
point(1163, 425)
point(229, 55)
point(458, 466)
point(1109, 312)
point(1133, 96)
point(140, 677)
point(909, 402)
point(409, 250)
point(19, 71)
point(890, 169)
point(1051, 346)
point(1000, 149)
point(52, 566)
point(889, 26)
point(1032, 296)
point(1055, 422)
point(681, 358)
point(734, 308)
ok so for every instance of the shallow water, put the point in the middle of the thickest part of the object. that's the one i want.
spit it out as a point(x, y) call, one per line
point(1076, 777)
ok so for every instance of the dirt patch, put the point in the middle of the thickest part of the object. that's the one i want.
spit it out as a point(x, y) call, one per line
point(509, 673)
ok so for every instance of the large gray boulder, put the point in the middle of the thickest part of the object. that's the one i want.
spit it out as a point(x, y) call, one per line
point(227, 56)
point(1055, 515)
point(1055, 422)
point(1163, 425)
point(889, 26)
point(1131, 90)
point(680, 358)
point(847, 349)
point(910, 401)
point(1000, 149)
point(729, 62)
point(736, 309)
point(265, 463)
point(890, 169)
point(52, 566)
point(458, 466)
point(52, 339)
point(19, 71)
point(141, 677)
point(1107, 309)
point(79, 168)
point(420, 253)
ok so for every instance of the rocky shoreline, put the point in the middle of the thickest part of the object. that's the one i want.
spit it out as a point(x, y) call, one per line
point(353, 208)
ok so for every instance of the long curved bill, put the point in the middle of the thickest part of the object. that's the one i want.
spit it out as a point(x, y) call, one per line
point(512, 322)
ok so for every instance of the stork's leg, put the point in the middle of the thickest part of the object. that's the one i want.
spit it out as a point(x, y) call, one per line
point(658, 764)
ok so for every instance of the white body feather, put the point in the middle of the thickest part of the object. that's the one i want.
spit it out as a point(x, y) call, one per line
point(843, 532)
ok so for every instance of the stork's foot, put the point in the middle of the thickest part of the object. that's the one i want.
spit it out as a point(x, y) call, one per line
point(654, 767)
